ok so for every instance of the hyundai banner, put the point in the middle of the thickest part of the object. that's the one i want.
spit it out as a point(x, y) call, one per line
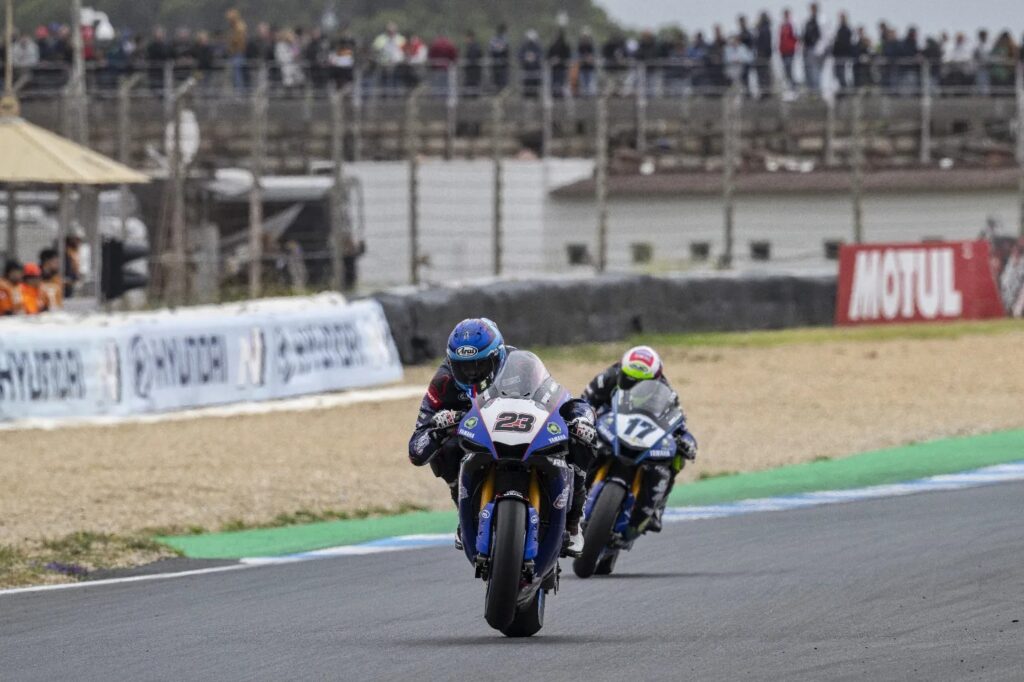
point(132, 364)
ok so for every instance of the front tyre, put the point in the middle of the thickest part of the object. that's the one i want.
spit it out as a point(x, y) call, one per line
point(600, 525)
point(528, 620)
point(606, 565)
point(508, 544)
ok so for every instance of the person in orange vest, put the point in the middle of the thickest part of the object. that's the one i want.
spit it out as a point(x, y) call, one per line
point(33, 296)
point(53, 285)
point(10, 289)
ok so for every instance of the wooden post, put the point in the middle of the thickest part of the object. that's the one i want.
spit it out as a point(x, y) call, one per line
point(357, 116)
point(178, 289)
point(8, 44)
point(259, 123)
point(926, 114)
point(1020, 143)
point(601, 176)
point(830, 131)
point(79, 116)
point(547, 110)
point(731, 121)
point(497, 131)
point(451, 110)
point(63, 225)
point(340, 228)
point(168, 88)
point(12, 221)
point(412, 150)
point(641, 108)
point(124, 123)
point(857, 126)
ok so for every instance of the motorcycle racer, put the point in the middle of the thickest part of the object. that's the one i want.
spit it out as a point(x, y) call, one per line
point(642, 363)
point(476, 353)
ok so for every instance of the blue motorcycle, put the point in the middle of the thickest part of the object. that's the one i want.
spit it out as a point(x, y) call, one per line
point(635, 434)
point(514, 489)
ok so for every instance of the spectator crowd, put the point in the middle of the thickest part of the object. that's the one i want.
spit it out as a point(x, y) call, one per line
point(782, 54)
point(40, 287)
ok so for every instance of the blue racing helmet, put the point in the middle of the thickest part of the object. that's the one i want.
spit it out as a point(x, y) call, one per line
point(476, 351)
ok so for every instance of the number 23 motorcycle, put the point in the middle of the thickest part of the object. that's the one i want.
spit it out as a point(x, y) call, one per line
point(514, 489)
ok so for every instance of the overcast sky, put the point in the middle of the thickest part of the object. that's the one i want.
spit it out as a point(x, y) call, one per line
point(930, 16)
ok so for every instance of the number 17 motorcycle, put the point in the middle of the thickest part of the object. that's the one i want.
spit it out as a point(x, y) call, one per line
point(514, 489)
point(636, 435)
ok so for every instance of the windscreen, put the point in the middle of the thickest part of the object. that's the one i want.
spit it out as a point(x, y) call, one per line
point(521, 377)
point(652, 399)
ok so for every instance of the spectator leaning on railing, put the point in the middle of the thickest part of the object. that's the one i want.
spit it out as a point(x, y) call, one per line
point(570, 62)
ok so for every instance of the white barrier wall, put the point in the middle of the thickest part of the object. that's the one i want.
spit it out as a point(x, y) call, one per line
point(133, 364)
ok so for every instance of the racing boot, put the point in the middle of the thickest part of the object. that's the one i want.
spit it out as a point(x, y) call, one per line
point(458, 539)
point(572, 542)
point(654, 525)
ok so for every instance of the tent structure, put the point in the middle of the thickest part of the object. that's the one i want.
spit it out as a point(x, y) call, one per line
point(35, 156)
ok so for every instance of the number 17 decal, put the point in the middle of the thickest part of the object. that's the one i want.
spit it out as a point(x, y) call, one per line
point(646, 427)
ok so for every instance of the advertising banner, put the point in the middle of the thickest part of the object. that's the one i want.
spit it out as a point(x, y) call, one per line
point(150, 363)
point(899, 283)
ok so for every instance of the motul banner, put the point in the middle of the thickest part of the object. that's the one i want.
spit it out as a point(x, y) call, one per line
point(884, 283)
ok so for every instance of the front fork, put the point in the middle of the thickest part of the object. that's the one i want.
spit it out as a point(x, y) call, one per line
point(621, 476)
point(485, 522)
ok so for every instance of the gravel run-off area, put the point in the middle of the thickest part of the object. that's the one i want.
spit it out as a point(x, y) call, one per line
point(751, 408)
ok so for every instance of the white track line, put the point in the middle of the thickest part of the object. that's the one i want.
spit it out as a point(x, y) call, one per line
point(303, 404)
point(969, 479)
point(129, 579)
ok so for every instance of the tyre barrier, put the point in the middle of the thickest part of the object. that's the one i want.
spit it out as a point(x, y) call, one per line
point(551, 312)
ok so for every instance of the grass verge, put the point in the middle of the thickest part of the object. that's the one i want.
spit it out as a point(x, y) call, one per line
point(891, 465)
point(78, 555)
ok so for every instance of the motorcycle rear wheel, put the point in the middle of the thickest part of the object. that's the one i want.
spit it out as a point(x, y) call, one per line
point(600, 525)
point(508, 545)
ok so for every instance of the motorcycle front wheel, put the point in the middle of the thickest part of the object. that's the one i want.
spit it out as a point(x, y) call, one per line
point(508, 546)
point(600, 525)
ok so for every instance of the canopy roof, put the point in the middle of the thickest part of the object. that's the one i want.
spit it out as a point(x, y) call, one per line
point(33, 155)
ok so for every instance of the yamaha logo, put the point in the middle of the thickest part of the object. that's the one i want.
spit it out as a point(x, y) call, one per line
point(467, 352)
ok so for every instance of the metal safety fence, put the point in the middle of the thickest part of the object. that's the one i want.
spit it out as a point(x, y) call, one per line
point(265, 188)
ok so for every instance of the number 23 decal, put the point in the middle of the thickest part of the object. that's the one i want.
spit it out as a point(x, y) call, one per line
point(514, 422)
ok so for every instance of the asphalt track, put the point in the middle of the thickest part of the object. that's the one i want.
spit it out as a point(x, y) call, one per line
point(922, 587)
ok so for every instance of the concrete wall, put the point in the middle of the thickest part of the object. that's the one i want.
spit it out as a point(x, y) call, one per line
point(611, 308)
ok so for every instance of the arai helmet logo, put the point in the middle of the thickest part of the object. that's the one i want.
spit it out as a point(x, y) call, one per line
point(467, 351)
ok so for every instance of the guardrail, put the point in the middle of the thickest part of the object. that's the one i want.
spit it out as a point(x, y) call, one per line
point(551, 312)
point(676, 77)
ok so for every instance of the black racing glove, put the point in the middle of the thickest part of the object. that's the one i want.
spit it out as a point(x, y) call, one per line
point(583, 431)
point(686, 446)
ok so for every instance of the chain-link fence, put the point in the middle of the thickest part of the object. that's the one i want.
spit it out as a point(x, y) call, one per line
point(357, 180)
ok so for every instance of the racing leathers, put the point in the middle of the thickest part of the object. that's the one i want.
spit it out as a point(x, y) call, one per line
point(434, 440)
point(660, 479)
